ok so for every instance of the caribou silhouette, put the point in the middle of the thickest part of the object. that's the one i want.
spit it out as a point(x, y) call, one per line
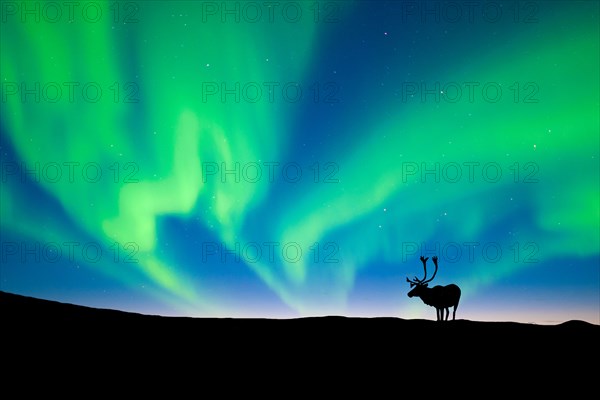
point(440, 297)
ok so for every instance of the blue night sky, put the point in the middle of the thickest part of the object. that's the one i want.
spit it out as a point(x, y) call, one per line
point(287, 159)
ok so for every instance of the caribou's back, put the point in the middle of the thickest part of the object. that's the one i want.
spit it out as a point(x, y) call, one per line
point(445, 296)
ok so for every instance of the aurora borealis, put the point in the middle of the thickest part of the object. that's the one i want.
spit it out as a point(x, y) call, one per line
point(285, 159)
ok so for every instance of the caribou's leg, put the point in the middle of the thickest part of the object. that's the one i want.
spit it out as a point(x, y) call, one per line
point(447, 313)
point(454, 314)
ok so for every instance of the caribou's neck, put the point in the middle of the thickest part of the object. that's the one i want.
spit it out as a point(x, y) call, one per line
point(426, 296)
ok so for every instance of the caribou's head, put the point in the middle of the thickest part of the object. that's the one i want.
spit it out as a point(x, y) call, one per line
point(419, 285)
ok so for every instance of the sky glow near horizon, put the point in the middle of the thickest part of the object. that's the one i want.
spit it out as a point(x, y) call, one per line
point(226, 159)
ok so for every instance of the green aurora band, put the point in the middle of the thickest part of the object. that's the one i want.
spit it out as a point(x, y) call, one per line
point(171, 132)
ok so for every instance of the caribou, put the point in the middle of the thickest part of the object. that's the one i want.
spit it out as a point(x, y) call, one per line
point(440, 297)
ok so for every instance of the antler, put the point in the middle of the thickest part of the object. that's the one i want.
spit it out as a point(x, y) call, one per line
point(435, 260)
point(417, 280)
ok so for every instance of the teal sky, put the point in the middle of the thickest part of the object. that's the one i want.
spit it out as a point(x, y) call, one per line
point(234, 159)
